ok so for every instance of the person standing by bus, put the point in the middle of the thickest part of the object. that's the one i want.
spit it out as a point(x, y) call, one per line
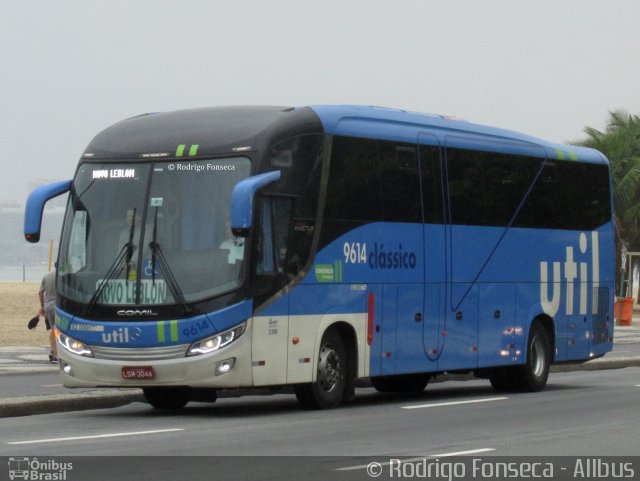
point(47, 295)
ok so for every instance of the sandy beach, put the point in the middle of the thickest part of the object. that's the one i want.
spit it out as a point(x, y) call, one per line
point(19, 303)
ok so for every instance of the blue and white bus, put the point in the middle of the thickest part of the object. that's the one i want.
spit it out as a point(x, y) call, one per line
point(238, 247)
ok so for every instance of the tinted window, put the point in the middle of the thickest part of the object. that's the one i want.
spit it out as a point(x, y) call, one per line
point(370, 181)
point(353, 191)
point(299, 159)
point(486, 188)
point(399, 182)
point(432, 190)
point(568, 195)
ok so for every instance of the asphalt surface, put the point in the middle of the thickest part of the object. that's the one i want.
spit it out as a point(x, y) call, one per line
point(31, 385)
point(578, 414)
point(584, 417)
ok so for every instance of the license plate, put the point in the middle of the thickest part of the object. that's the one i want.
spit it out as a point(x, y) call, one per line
point(138, 372)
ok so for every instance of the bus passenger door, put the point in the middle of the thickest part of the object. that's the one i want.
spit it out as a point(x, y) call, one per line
point(434, 235)
point(460, 343)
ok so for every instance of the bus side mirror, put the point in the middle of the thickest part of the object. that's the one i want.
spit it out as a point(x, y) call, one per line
point(35, 205)
point(242, 201)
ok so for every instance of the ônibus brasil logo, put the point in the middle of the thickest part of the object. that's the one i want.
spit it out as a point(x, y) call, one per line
point(33, 469)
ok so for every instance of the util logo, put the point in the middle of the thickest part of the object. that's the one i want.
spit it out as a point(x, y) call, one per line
point(122, 335)
point(571, 271)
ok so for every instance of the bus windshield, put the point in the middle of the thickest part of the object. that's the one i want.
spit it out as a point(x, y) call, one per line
point(151, 233)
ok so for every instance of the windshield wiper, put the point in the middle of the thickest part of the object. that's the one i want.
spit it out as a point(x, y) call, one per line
point(125, 254)
point(157, 254)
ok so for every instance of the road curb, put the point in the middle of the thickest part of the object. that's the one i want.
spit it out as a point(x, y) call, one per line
point(54, 403)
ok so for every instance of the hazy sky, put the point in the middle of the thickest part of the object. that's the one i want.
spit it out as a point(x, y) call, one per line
point(71, 68)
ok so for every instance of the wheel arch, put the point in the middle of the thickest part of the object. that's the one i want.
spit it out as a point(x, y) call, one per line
point(352, 330)
point(350, 339)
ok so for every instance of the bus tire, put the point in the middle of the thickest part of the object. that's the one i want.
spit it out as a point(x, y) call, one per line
point(167, 397)
point(405, 383)
point(533, 375)
point(503, 379)
point(535, 372)
point(328, 390)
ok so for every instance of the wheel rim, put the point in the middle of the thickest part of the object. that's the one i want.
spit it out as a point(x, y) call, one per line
point(329, 369)
point(538, 357)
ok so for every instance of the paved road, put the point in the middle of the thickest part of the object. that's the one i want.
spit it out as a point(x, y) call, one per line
point(34, 384)
point(581, 413)
point(588, 412)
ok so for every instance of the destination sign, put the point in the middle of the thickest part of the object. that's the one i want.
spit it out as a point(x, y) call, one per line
point(120, 291)
point(114, 174)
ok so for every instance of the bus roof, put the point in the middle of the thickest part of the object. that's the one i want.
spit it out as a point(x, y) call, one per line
point(212, 130)
point(401, 125)
point(219, 130)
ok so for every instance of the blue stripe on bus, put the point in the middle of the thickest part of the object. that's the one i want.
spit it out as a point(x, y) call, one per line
point(152, 333)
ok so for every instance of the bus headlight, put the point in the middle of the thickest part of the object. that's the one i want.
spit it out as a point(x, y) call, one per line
point(213, 343)
point(73, 345)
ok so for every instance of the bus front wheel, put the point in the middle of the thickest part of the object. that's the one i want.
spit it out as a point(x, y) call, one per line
point(328, 390)
point(167, 397)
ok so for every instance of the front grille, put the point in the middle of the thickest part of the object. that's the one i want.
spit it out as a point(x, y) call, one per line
point(140, 354)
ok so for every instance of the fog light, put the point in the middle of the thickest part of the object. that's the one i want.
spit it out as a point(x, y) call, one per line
point(67, 369)
point(225, 366)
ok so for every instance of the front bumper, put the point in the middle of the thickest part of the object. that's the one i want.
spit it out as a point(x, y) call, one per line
point(194, 371)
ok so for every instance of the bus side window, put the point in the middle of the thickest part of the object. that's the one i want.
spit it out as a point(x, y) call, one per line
point(486, 188)
point(432, 184)
point(568, 195)
point(370, 181)
point(300, 160)
point(77, 257)
point(399, 183)
point(272, 243)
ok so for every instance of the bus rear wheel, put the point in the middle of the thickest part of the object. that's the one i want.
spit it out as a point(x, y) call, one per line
point(405, 383)
point(329, 388)
point(503, 379)
point(533, 375)
point(167, 397)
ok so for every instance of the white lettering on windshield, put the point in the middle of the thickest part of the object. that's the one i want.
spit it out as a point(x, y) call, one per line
point(119, 291)
point(114, 174)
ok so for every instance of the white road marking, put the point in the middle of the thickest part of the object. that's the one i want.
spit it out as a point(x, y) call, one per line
point(97, 436)
point(413, 460)
point(455, 403)
point(52, 385)
point(462, 453)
